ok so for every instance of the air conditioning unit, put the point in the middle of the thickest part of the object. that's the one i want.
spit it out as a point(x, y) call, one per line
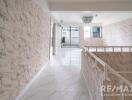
point(87, 19)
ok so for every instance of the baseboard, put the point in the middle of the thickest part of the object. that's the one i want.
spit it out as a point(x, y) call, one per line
point(30, 83)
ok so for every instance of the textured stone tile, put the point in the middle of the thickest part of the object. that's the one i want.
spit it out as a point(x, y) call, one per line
point(24, 44)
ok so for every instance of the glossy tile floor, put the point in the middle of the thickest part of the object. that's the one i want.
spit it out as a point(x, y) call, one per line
point(60, 80)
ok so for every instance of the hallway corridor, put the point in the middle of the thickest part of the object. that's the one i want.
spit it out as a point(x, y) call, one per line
point(60, 79)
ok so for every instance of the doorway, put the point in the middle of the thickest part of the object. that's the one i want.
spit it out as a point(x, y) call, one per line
point(70, 36)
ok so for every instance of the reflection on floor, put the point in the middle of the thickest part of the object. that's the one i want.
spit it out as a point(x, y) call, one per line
point(60, 80)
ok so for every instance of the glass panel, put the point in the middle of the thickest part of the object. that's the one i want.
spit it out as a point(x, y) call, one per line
point(75, 41)
point(75, 36)
point(70, 36)
point(66, 36)
point(96, 31)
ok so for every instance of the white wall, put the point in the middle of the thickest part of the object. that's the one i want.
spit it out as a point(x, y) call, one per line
point(119, 33)
point(58, 37)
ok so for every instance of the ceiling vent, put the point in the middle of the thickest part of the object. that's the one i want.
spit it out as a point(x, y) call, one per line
point(87, 19)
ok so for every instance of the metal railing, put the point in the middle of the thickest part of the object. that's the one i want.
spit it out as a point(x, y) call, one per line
point(108, 48)
point(107, 68)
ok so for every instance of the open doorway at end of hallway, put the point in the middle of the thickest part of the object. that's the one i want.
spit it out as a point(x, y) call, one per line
point(70, 37)
point(63, 37)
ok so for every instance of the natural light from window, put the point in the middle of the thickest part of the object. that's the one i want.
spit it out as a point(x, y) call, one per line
point(92, 32)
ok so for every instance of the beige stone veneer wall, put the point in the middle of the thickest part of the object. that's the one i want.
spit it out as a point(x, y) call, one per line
point(24, 44)
point(118, 33)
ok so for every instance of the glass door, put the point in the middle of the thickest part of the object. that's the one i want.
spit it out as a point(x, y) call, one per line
point(65, 36)
point(74, 36)
point(70, 37)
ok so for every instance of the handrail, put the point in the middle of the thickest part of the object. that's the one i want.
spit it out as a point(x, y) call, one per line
point(119, 76)
point(107, 67)
point(120, 48)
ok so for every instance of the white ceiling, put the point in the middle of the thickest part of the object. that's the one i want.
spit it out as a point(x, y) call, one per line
point(92, 5)
point(103, 17)
point(86, 0)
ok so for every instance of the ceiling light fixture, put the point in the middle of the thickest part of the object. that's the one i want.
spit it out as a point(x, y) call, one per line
point(88, 18)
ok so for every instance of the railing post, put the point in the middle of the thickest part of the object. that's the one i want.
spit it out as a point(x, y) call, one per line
point(95, 63)
point(122, 93)
point(113, 48)
point(129, 49)
point(105, 72)
point(104, 49)
point(121, 49)
point(88, 48)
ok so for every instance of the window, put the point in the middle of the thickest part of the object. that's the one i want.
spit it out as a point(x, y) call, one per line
point(92, 31)
point(96, 31)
